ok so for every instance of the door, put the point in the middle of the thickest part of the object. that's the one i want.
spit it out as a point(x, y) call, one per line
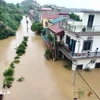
point(90, 21)
point(79, 67)
point(97, 65)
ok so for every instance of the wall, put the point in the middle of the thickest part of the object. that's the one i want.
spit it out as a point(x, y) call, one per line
point(46, 20)
point(96, 19)
point(71, 35)
point(85, 62)
point(96, 40)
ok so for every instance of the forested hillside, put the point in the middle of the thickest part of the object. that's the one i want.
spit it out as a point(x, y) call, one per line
point(29, 5)
point(10, 18)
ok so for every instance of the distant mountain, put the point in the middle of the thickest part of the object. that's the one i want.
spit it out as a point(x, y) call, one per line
point(29, 5)
point(65, 9)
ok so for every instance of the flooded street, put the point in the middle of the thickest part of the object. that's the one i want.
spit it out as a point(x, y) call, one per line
point(44, 80)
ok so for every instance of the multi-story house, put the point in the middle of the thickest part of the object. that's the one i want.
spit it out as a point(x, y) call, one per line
point(47, 14)
point(81, 40)
point(78, 41)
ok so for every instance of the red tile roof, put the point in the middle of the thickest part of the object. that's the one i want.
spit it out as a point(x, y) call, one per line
point(50, 16)
point(56, 29)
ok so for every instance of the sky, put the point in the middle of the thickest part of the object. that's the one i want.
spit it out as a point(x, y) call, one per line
point(88, 4)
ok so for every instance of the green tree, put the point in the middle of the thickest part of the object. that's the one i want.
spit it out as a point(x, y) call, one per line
point(75, 17)
point(37, 26)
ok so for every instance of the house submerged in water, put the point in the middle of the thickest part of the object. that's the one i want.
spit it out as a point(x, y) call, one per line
point(77, 41)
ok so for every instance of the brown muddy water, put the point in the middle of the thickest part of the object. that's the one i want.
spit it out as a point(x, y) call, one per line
point(44, 80)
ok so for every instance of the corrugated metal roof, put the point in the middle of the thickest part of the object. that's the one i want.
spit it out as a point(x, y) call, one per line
point(57, 20)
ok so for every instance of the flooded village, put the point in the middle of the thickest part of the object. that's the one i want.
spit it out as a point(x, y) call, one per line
point(72, 70)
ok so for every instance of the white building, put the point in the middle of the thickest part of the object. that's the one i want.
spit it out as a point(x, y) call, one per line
point(81, 40)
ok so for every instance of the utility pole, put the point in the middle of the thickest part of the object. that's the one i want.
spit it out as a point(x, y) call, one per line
point(74, 80)
point(54, 47)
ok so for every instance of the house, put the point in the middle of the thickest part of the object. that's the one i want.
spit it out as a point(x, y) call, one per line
point(81, 40)
point(47, 14)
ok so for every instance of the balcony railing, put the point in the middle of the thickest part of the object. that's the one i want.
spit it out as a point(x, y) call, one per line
point(85, 55)
point(71, 56)
point(80, 28)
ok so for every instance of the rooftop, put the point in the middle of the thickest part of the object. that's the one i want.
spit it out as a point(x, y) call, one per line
point(50, 16)
point(63, 13)
point(45, 9)
point(57, 20)
point(56, 29)
point(90, 11)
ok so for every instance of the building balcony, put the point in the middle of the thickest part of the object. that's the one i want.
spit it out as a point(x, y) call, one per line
point(74, 56)
point(80, 28)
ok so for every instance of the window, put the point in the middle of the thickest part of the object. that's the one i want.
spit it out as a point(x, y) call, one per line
point(87, 45)
point(68, 40)
point(46, 23)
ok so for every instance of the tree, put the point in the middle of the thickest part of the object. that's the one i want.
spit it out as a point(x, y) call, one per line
point(75, 17)
point(37, 26)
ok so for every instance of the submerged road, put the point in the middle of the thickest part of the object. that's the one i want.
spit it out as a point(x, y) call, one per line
point(44, 80)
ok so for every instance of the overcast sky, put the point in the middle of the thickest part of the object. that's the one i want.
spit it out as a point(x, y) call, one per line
point(89, 4)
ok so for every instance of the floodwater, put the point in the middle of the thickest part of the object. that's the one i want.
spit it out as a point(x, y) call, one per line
point(44, 80)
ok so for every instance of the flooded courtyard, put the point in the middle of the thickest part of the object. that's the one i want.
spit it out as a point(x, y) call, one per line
point(44, 80)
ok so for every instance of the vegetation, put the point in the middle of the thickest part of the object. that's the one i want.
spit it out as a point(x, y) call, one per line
point(5, 32)
point(67, 66)
point(9, 78)
point(37, 26)
point(80, 93)
point(12, 65)
point(21, 79)
point(28, 5)
point(75, 17)
point(48, 54)
point(9, 72)
point(50, 38)
point(17, 57)
point(10, 17)
point(25, 38)
point(20, 50)
point(16, 61)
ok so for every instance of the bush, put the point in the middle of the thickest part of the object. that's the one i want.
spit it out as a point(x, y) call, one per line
point(25, 38)
point(37, 26)
point(48, 54)
point(20, 49)
point(7, 83)
point(16, 61)
point(9, 72)
point(12, 65)
point(50, 37)
point(17, 57)
point(20, 79)
point(67, 66)
point(9, 78)
point(24, 43)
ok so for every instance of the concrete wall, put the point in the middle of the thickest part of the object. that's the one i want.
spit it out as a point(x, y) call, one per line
point(44, 21)
point(85, 62)
point(95, 44)
point(96, 19)
point(96, 41)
